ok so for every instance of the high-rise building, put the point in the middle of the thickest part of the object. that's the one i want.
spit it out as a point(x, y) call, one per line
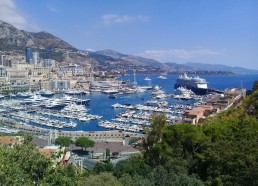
point(28, 54)
point(35, 58)
point(5, 62)
point(2, 59)
point(48, 63)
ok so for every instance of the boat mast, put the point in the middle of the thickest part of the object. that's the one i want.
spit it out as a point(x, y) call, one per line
point(134, 78)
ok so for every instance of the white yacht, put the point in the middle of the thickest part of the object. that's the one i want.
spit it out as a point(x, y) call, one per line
point(45, 93)
point(147, 79)
point(110, 91)
point(162, 77)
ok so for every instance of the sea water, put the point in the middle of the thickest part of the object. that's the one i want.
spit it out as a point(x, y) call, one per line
point(100, 103)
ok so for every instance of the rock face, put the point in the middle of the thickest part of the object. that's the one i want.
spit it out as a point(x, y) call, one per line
point(13, 38)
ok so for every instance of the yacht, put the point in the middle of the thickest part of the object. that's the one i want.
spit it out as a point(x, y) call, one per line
point(182, 90)
point(162, 77)
point(45, 93)
point(147, 79)
point(54, 104)
point(76, 92)
point(184, 93)
point(11, 95)
point(24, 94)
point(110, 91)
point(68, 99)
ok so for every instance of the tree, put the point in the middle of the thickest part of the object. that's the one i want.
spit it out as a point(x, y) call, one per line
point(22, 165)
point(84, 142)
point(255, 86)
point(63, 141)
point(230, 158)
point(134, 166)
point(153, 142)
point(27, 138)
point(102, 179)
point(61, 176)
point(184, 139)
point(250, 104)
point(108, 154)
point(103, 167)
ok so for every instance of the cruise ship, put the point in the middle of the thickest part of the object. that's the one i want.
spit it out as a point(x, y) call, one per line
point(196, 84)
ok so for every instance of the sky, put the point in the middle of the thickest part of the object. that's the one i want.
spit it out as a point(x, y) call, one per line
point(180, 31)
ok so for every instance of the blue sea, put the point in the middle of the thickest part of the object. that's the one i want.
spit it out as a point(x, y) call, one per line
point(100, 103)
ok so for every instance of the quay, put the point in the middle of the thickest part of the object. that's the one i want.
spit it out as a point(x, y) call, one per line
point(94, 135)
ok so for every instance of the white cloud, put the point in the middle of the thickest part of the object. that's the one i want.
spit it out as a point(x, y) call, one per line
point(91, 50)
point(10, 14)
point(109, 19)
point(179, 53)
point(52, 9)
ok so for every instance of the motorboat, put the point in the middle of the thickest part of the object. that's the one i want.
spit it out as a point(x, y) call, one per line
point(147, 79)
point(162, 77)
point(45, 93)
point(24, 94)
point(110, 91)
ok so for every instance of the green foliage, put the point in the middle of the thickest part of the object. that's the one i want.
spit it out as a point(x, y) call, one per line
point(255, 86)
point(21, 165)
point(132, 140)
point(84, 142)
point(61, 176)
point(231, 157)
point(27, 138)
point(184, 139)
point(63, 141)
point(134, 166)
point(102, 179)
point(153, 143)
point(250, 104)
point(103, 167)
point(24, 165)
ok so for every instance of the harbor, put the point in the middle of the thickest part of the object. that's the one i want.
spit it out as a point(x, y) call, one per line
point(129, 110)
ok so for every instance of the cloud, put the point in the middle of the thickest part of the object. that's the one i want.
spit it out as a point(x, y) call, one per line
point(91, 50)
point(179, 53)
point(109, 19)
point(52, 9)
point(10, 14)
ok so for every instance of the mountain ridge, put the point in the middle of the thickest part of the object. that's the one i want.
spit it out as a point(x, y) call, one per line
point(52, 47)
point(236, 70)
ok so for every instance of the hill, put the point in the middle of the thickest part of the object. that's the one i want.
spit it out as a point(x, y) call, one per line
point(219, 67)
point(111, 53)
point(49, 46)
point(13, 38)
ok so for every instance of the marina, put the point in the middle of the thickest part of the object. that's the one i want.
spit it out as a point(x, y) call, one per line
point(127, 109)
